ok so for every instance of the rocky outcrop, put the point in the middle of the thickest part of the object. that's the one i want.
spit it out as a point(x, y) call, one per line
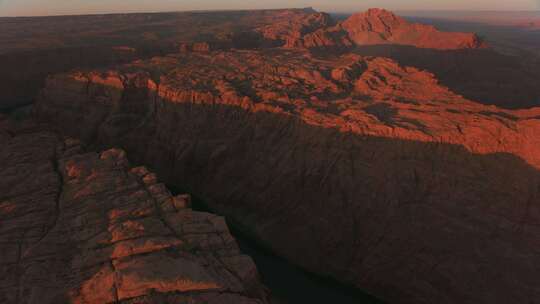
point(482, 75)
point(32, 48)
point(84, 227)
point(379, 26)
point(373, 27)
point(352, 167)
point(302, 30)
point(205, 46)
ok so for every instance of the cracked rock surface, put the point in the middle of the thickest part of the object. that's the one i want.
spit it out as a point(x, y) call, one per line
point(85, 227)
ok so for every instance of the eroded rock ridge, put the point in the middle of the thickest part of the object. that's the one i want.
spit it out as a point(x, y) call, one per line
point(85, 227)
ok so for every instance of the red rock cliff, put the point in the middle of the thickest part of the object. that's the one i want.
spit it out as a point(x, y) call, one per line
point(373, 27)
point(378, 26)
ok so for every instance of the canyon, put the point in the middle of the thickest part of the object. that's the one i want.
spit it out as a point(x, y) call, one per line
point(394, 175)
point(397, 170)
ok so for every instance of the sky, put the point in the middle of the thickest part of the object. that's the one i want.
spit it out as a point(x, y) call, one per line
point(63, 7)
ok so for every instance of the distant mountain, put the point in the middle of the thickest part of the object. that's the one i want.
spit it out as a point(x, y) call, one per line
point(373, 27)
point(379, 26)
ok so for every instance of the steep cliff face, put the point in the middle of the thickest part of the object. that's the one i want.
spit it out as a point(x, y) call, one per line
point(353, 167)
point(82, 227)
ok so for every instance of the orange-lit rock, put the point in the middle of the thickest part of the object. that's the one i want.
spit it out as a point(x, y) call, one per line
point(300, 30)
point(83, 227)
point(379, 26)
point(352, 167)
point(373, 27)
point(32, 48)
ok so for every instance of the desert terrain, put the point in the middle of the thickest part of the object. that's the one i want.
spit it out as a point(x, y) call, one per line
point(374, 157)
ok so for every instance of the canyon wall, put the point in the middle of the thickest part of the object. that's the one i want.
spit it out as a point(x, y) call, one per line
point(384, 179)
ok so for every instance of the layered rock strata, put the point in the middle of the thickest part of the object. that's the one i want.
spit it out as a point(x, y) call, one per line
point(32, 48)
point(84, 227)
point(379, 26)
point(372, 27)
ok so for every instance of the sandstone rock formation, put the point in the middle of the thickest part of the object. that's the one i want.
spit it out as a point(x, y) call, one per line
point(373, 27)
point(388, 180)
point(32, 48)
point(205, 46)
point(379, 26)
point(482, 75)
point(84, 227)
point(300, 30)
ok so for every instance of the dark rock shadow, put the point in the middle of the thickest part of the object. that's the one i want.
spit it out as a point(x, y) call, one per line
point(408, 221)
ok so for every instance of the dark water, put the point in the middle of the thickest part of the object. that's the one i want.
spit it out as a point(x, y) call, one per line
point(289, 284)
point(18, 112)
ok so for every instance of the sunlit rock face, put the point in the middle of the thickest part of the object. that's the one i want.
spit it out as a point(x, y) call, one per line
point(85, 227)
point(372, 27)
point(32, 48)
point(378, 26)
point(352, 167)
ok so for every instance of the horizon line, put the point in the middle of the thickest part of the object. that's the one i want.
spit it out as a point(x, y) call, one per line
point(265, 9)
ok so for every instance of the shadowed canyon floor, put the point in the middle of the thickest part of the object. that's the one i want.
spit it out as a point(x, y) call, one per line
point(287, 282)
point(415, 178)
